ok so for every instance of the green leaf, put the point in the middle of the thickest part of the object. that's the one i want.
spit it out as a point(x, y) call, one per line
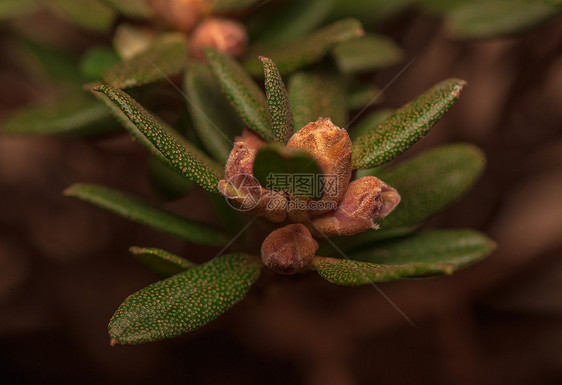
point(274, 162)
point(366, 53)
point(164, 144)
point(308, 50)
point(184, 302)
point(292, 20)
point(89, 14)
point(166, 56)
point(406, 126)
point(425, 254)
point(242, 92)
point(473, 20)
point(167, 181)
point(431, 181)
point(278, 102)
point(75, 115)
point(225, 6)
point(368, 122)
point(214, 119)
point(96, 61)
point(317, 94)
point(160, 261)
point(136, 9)
point(360, 95)
point(13, 8)
point(130, 40)
point(136, 210)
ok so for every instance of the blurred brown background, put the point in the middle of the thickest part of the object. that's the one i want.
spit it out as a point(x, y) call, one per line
point(64, 265)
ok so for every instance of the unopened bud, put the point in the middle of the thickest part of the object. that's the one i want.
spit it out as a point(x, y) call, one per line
point(224, 35)
point(365, 200)
point(251, 139)
point(289, 249)
point(183, 15)
point(331, 148)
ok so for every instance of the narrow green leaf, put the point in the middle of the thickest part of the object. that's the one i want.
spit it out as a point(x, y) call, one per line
point(225, 6)
point(164, 144)
point(160, 261)
point(76, 115)
point(360, 95)
point(432, 180)
point(242, 92)
point(89, 14)
point(421, 255)
point(292, 20)
point(406, 126)
point(366, 53)
point(166, 56)
point(167, 181)
point(134, 209)
point(368, 122)
point(136, 9)
point(184, 302)
point(274, 162)
point(96, 62)
point(308, 50)
point(317, 94)
point(278, 102)
point(214, 119)
point(485, 19)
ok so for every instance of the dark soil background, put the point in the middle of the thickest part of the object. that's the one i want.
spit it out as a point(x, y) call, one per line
point(64, 265)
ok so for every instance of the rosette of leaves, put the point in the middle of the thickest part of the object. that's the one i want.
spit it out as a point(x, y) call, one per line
point(193, 295)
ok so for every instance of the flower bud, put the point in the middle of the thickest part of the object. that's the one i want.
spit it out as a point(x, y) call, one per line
point(224, 35)
point(183, 15)
point(365, 200)
point(331, 147)
point(244, 191)
point(289, 249)
point(250, 138)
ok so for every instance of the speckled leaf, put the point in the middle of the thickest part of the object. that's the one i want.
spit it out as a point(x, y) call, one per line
point(166, 181)
point(214, 119)
point(278, 102)
point(274, 159)
point(432, 180)
point(220, 6)
point(361, 94)
point(317, 94)
point(89, 14)
point(75, 115)
point(425, 254)
point(485, 19)
point(242, 92)
point(406, 126)
point(366, 53)
point(136, 210)
point(164, 143)
point(292, 56)
point(167, 56)
point(137, 9)
point(160, 261)
point(184, 302)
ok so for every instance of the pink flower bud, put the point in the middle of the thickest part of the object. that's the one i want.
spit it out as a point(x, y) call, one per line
point(331, 147)
point(183, 15)
point(365, 200)
point(250, 138)
point(289, 249)
point(224, 35)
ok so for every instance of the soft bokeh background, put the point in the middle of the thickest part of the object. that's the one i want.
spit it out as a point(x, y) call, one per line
point(64, 265)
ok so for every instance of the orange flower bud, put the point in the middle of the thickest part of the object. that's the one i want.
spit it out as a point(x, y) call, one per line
point(331, 147)
point(224, 35)
point(183, 15)
point(365, 200)
point(289, 249)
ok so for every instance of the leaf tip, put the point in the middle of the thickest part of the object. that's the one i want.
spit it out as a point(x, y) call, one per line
point(113, 342)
